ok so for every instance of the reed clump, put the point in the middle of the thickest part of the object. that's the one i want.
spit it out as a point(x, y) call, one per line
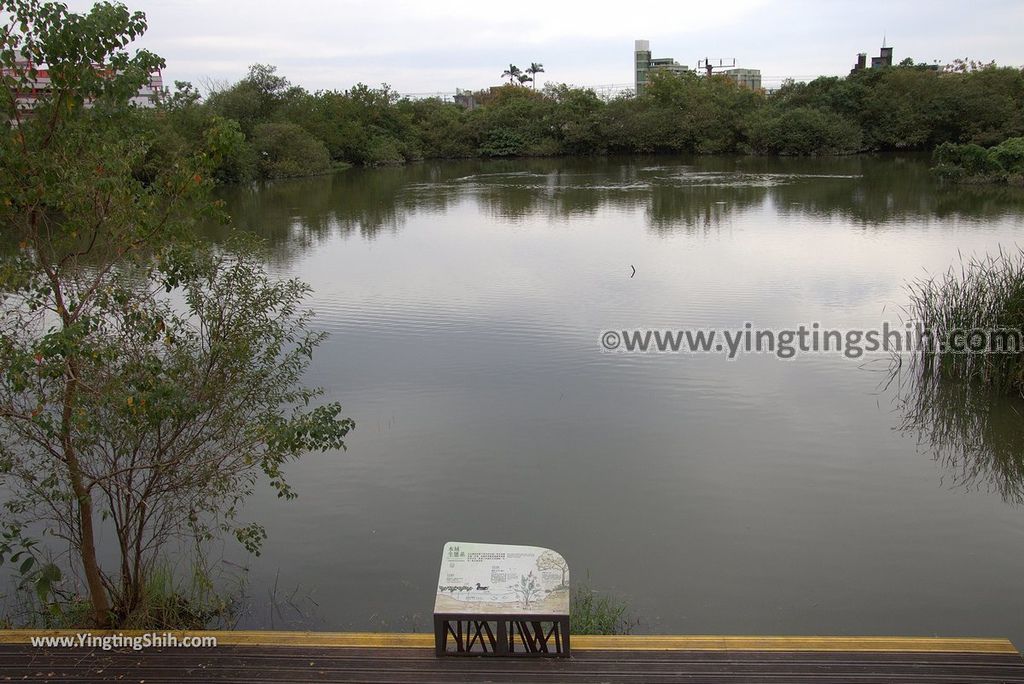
point(595, 612)
point(984, 296)
point(973, 432)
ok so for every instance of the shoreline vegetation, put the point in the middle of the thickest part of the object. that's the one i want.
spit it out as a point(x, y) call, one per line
point(280, 130)
point(954, 403)
point(983, 293)
point(150, 382)
point(167, 383)
point(1001, 164)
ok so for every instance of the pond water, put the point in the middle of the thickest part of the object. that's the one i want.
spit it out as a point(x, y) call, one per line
point(465, 303)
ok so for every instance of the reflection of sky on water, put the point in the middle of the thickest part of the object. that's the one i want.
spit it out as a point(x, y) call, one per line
point(465, 303)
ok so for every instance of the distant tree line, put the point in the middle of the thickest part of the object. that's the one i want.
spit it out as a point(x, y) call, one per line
point(280, 129)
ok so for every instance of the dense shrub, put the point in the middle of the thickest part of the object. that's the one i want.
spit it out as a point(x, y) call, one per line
point(502, 142)
point(284, 150)
point(906, 107)
point(801, 131)
point(1002, 163)
point(1009, 155)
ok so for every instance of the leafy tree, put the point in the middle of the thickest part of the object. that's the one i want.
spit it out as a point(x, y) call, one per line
point(576, 115)
point(966, 66)
point(516, 121)
point(146, 380)
point(253, 100)
point(910, 106)
point(1009, 154)
point(441, 128)
point(801, 131)
point(1002, 163)
point(285, 150)
point(534, 69)
point(512, 73)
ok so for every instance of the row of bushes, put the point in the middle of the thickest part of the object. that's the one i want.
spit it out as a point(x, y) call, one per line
point(284, 130)
point(967, 163)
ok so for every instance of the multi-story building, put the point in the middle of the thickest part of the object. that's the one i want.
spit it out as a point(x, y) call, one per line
point(884, 59)
point(150, 93)
point(745, 78)
point(645, 64)
point(40, 87)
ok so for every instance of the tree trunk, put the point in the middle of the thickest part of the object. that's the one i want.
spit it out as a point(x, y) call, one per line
point(97, 592)
point(87, 551)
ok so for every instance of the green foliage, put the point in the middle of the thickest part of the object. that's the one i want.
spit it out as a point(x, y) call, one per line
point(234, 160)
point(148, 381)
point(284, 150)
point(442, 129)
point(907, 107)
point(576, 116)
point(801, 131)
point(516, 121)
point(1009, 155)
point(984, 294)
point(253, 100)
point(168, 602)
point(502, 142)
point(70, 44)
point(595, 613)
point(1003, 163)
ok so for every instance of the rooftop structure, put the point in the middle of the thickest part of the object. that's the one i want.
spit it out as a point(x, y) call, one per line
point(745, 78)
point(884, 59)
point(646, 64)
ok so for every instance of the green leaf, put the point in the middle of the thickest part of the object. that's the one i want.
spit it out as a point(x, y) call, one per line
point(48, 576)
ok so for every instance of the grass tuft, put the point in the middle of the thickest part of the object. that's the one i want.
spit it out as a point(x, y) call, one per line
point(595, 613)
point(985, 293)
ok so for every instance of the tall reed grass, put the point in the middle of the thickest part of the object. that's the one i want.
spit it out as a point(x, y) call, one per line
point(984, 293)
point(594, 612)
point(975, 433)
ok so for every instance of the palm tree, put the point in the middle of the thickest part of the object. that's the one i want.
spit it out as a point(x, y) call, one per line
point(512, 73)
point(524, 79)
point(534, 69)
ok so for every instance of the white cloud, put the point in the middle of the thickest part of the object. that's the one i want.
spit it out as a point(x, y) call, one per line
point(441, 45)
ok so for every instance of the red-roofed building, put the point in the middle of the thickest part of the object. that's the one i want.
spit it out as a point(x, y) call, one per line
point(39, 87)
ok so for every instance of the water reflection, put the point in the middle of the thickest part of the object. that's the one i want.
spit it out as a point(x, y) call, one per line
point(674, 195)
point(464, 303)
point(675, 207)
point(976, 435)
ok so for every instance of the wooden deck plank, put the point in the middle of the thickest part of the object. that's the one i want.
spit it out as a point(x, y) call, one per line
point(812, 661)
point(582, 642)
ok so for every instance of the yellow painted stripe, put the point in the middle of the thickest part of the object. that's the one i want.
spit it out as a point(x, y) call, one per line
point(793, 643)
point(581, 642)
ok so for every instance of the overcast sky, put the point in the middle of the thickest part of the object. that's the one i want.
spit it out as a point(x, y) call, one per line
point(440, 45)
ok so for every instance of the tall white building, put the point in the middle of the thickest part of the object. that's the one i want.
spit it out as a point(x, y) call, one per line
point(645, 64)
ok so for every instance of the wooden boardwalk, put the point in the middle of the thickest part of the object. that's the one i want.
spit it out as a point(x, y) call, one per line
point(353, 657)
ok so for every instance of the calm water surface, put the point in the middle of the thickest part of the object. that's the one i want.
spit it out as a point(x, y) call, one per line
point(465, 303)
